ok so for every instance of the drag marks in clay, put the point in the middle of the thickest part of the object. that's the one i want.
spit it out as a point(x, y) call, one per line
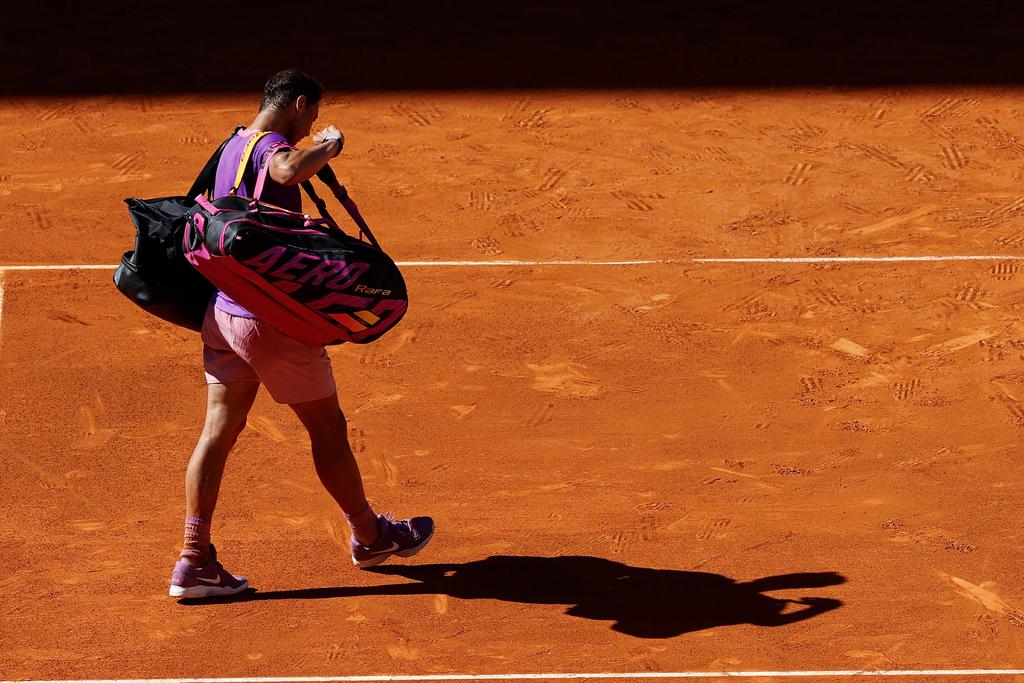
point(487, 245)
point(458, 297)
point(94, 435)
point(542, 415)
point(948, 107)
point(1004, 270)
point(984, 595)
point(267, 428)
point(524, 114)
point(811, 384)
point(878, 154)
point(714, 529)
point(357, 440)
point(919, 174)
point(968, 293)
point(481, 200)
point(906, 389)
point(1016, 413)
point(1009, 401)
point(418, 115)
point(624, 541)
point(952, 157)
point(403, 651)
point(1000, 215)
point(194, 140)
point(1000, 138)
point(462, 411)
point(83, 126)
point(379, 356)
point(803, 132)
point(551, 180)
point(958, 343)
point(910, 217)
point(59, 111)
point(825, 297)
point(855, 208)
point(385, 466)
point(1014, 240)
point(566, 378)
point(721, 154)
point(798, 173)
point(835, 460)
point(638, 201)
point(127, 164)
point(39, 218)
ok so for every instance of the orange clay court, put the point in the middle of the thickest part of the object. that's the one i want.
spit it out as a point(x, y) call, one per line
point(677, 466)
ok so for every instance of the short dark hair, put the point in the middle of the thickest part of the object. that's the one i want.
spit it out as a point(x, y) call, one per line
point(284, 87)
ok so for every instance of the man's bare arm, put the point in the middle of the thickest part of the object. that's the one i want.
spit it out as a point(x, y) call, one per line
point(295, 166)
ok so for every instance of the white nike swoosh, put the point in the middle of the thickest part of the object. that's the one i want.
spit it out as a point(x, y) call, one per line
point(393, 548)
point(213, 581)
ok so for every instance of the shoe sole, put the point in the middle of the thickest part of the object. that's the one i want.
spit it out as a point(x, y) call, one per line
point(205, 591)
point(374, 561)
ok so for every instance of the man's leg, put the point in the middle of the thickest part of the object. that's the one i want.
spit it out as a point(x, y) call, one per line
point(227, 407)
point(332, 454)
point(374, 538)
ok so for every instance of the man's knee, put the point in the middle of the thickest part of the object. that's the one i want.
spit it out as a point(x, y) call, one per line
point(330, 427)
point(319, 413)
point(227, 409)
point(325, 423)
point(224, 432)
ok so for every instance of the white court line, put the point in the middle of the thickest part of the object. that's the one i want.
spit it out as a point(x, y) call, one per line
point(563, 676)
point(857, 259)
point(646, 262)
point(90, 267)
point(410, 264)
point(638, 262)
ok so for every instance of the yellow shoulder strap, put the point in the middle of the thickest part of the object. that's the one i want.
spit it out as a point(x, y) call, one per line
point(246, 156)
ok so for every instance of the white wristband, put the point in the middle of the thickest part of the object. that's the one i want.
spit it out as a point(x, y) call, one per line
point(340, 144)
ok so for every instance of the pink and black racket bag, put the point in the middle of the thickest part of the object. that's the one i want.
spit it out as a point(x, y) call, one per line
point(304, 276)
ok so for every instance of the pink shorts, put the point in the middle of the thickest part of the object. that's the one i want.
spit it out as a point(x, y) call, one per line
point(246, 350)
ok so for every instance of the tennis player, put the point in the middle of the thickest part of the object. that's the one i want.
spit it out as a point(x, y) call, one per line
point(240, 353)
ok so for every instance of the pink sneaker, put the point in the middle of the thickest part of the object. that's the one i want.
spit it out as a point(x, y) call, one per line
point(189, 581)
point(403, 537)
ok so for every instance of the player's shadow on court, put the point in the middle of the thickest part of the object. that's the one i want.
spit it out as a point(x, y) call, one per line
point(645, 603)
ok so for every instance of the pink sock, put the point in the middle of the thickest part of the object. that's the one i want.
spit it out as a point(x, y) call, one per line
point(365, 525)
point(197, 538)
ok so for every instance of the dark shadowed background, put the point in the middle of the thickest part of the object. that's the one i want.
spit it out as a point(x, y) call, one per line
point(196, 46)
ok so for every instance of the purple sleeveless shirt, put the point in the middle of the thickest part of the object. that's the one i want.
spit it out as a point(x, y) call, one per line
point(287, 197)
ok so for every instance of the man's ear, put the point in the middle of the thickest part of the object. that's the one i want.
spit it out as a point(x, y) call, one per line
point(301, 102)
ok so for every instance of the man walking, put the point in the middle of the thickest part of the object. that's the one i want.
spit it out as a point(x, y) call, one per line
point(240, 353)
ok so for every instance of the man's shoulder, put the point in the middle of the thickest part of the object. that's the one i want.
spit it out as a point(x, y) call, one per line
point(273, 139)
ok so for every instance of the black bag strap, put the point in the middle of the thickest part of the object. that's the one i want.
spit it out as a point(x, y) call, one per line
point(327, 176)
point(321, 205)
point(207, 177)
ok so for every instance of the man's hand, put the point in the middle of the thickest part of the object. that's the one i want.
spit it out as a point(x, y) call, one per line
point(327, 133)
point(299, 165)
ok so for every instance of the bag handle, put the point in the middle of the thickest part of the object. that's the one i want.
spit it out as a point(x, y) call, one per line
point(205, 180)
point(328, 178)
point(250, 145)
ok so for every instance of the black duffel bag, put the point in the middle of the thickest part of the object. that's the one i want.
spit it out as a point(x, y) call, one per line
point(155, 275)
